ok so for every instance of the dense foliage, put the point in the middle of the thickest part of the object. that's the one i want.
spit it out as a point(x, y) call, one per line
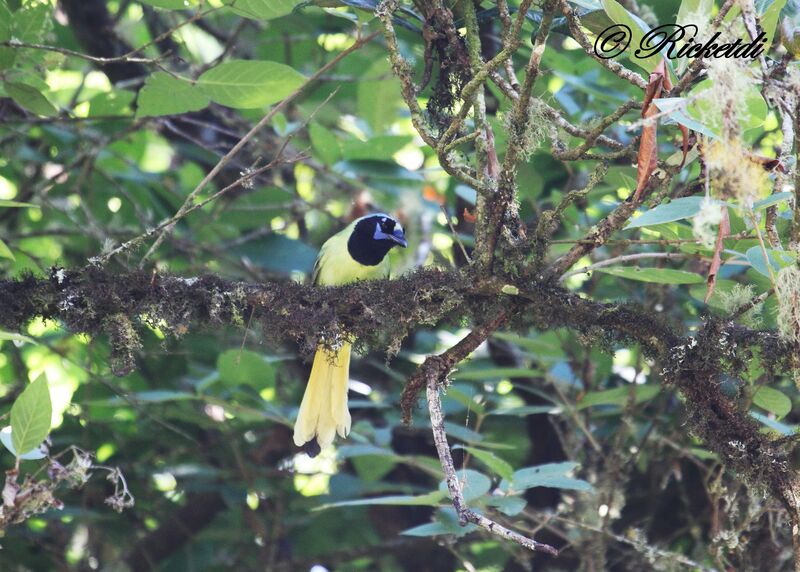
point(168, 171)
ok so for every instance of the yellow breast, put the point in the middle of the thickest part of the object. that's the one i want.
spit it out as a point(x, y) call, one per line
point(335, 266)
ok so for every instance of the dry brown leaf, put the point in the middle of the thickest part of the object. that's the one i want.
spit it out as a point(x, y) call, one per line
point(723, 231)
point(647, 159)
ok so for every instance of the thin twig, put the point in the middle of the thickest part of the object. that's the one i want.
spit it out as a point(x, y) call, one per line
point(455, 235)
point(616, 68)
point(465, 514)
point(163, 229)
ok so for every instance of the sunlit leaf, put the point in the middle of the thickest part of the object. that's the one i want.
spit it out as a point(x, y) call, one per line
point(656, 275)
point(244, 367)
point(5, 251)
point(31, 415)
point(376, 149)
point(263, 9)
point(769, 17)
point(379, 96)
point(39, 452)
point(326, 144)
point(11, 336)
point(246, 84)
point(172, 4)
point(30, 98)
point(638, 29)
point(164, 94)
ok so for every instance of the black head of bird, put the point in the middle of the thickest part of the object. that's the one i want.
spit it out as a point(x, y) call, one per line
point(373, 237)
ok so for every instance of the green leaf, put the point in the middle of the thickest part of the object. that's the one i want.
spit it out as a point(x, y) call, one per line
point(16, 204)
point(638, 29)
point(542, 344)
point(263, 9)
point(150, 396)
point(350, 451)
point(446, 523)
point(526, 410)
point(769, 19)
point(434, 498)
point(437, 529)
point(161, 396)
point(325, 143)
point(172, 4)
point(279, 253)
point(473, 484)
point(376, 149)
point(773, 401)
point(618, 395)
point(677, 209)
point(772, 200)
point(243, 367)
point(510, 505)
point(11, 336)
point(31, 415)
point(551, 475)
point(378, 96)
point(496, 464)
point(466, 399)
point(494, 373)
point(777, 259)
point(691, 8)
point(32, 455)
point(371, 462)
point(29, 98)
point(31, 22)
point(7, 55)
point(655, 275)
point(114, 102)
point(458, 431)
point(5, 251)
point(675, 108)
point(704, 106)
point(245, 84)
point(164, 94)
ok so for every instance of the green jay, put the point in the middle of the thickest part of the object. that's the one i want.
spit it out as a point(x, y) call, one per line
point(359, 252)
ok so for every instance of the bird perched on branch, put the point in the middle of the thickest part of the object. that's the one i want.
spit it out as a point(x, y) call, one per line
point(356, 253)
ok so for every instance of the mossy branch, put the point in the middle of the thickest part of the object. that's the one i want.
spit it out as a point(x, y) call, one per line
point(96, 301)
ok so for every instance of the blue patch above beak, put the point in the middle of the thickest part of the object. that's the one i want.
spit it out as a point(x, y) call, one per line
point(398, 237)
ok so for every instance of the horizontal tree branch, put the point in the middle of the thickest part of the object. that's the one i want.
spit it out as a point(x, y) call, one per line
point(380, 313)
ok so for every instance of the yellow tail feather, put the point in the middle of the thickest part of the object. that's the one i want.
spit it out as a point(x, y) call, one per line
point(323, 411)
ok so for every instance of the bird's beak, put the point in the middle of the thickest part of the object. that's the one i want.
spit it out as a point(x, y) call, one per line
point(398, 237)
